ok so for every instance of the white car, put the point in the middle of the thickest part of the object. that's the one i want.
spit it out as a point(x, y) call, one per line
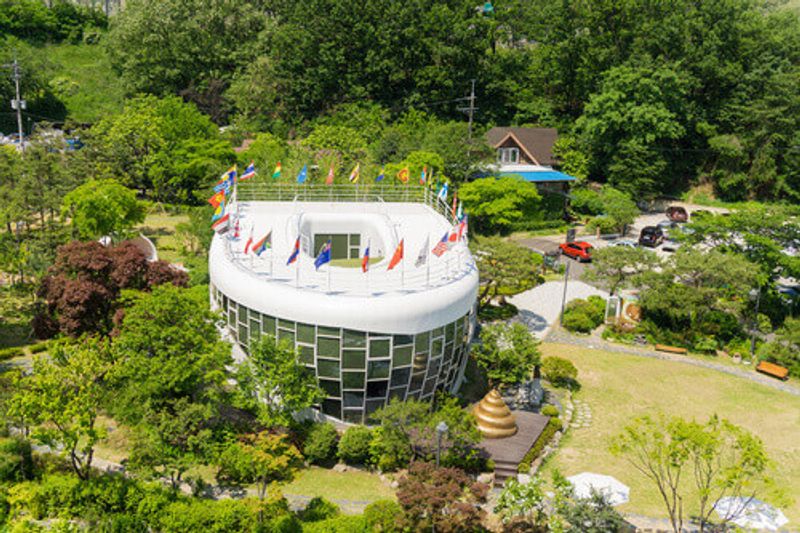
point(670, 245)
point(627, 243)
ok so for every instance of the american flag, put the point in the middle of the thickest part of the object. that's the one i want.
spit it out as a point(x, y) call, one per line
point(441, 246)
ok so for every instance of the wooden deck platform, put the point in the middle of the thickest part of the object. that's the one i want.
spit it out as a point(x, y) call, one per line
point(508, 453)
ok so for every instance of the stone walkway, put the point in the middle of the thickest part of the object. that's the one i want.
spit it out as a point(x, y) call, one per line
point(560, 336)
point(582, 418)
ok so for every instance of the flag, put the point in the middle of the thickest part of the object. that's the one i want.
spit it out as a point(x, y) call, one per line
point(422, 256)
point(301, 178)
point(462, 228)
point(365, 259)
point(263, 244)
point(217, 198)
point(460, 212)
point(403, 175)
point(218, 212)
point(329, 179)
point(397, 257)
point(249, 241)
point(422, 176)
point(236, 229)
point(441, 246)
point(324, 255)
point(380, 176)
point(295, 252)
point(455, 205)
point(221, 225)
point(277, 172)
point(442, 195)
point(226, 180)
point(354, 174)
point(249, 172)
point(453, 238)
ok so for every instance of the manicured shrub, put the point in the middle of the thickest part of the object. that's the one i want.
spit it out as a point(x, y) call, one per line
point(553, 425)
point(389, 450)
point(338, 524)
point(559, 371)
point(583, 316)
point(577, 321)
point(383, 515)
point(550, 410)
point(319, 509)
point(354, 446)
point(320, 445)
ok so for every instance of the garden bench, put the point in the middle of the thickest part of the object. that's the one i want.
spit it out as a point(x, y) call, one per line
point(771, 369)
point(671, 349)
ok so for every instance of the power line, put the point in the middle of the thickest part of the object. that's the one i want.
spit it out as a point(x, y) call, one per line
point(470, 110)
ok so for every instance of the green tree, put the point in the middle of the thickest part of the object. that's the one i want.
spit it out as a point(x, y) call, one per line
point(505, 268)
point(616, 266)
point(497, 204)
point(103, 207)
point(274, 383)
point(63, 397)
point(718, 459)
point(262, 459)
point(559, 371)
point(507, 354)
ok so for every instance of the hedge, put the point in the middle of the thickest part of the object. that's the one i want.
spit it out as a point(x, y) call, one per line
point(553, 425)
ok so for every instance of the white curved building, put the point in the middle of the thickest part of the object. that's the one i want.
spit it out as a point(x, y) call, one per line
point(367, 336)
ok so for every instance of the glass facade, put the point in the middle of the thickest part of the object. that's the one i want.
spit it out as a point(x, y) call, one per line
point(360, 370)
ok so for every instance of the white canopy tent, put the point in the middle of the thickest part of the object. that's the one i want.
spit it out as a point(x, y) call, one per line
point(615, 491)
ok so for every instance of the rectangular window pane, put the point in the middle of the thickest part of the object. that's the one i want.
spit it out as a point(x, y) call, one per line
point(354, 339)
point(328, 369)
point(378, 348)
point(355, 239)
point(354, 399)
point(305, 333)
point(428, 387)
point(268, 325)
point(306, 354)
point(353, 416)
point(328, 347)
point(449, 331)
point(353, 380)
point(243, 314)
point(286, 324)
point(436, 348)
point(243, 334)
point(378, 369)
point(420, 362)
point(354, 359)
point(328, 332)
point(402, 356)
point(399, 393)
point(400, 377)
point(416, 382)
point(402, 340)
point(377, 389)
point(422, 341)
point(284, 334)
point(255, 324)
point(332, 408)
point(372, 406)
point(331, 388)
point(438, 332)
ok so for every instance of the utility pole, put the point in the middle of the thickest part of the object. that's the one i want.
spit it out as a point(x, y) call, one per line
point(17, 104)
point(470, 110)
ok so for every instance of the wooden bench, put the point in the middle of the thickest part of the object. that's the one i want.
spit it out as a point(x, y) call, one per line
point(670, 349)
point(771, 369)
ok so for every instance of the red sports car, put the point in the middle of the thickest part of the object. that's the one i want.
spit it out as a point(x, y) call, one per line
point(580, 250)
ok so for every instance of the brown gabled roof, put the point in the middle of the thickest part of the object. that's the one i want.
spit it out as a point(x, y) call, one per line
point(537, 142)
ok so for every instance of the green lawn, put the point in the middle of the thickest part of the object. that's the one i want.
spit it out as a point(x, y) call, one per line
point(84, 81)
point(159, 226)
point(353, 263)
point(618, 387)
point(351, 485)
point(16, 311)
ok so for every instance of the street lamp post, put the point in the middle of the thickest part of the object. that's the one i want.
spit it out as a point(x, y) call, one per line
point(441, 429)
point(755, 294)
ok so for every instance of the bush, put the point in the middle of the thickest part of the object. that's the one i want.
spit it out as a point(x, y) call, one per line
point(8, 353)
point(320, 445)
point(339, 524)
point(550, 410)
point(584, 315)
point(355, 444)
point(191, 516)
point(553, 426)
point(559, 371)
point(383, 515)
point(319, 509)
point(389, 450)
point(490, 313)
point(39, 347)
point(16, 461)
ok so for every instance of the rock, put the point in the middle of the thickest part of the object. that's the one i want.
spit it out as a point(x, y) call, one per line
point(486, 477)
point(524, 478)
point(394, 484)
point(340, 467)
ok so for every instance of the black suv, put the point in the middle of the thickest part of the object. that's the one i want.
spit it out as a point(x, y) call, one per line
point(651, 236)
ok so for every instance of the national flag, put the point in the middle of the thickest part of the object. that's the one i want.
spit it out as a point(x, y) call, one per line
point(422, 176)
point(295, 252)
point(442, 195)
point(227, 180)
point(221, 225)
point(354, 175)
point(380, 176)
point(249, 172)
point(455, 205)
point(441, 246)
point(460, 212)
point(218, 212)
point(329, 179)
point(422, 256)
point(365, 259)
point(462, 228)
point(398, 255)
point(277, 172)
point(249, 241)
point(324, 255)
point(453, 238)
point(217, 198)
point(263, 244)
point(236, 229)
point(301, 178)
point(403, 175)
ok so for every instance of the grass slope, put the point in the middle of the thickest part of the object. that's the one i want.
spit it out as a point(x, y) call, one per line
point(618, 387)
point(83, 79)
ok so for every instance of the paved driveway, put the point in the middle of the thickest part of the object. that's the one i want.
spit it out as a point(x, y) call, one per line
point(540, 307)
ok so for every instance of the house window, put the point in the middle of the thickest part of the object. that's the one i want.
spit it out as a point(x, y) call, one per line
point(508, 156)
